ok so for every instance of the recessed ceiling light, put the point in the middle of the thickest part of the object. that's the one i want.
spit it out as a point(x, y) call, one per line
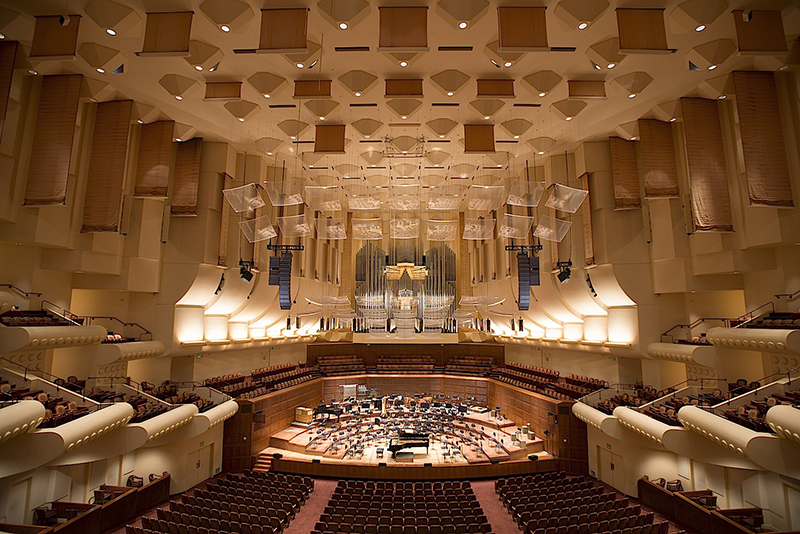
point(712, 67)
point(449, 93)
point(178, 139)
point(178, 97)
point(269, 153)
point(542, 94)
point(634, 138)
point(784, 67)
point(496, 64)
point(225, 28)
point(673, 119)
point(321, 118)
point(2, 36)
point(516, 137)
point(723, 97)
point(405, 151)
point(267, 95)
point(507, 64)
point(299, 65)
point(92, 100)
point(214, 67)
point(632, 95)
point(198, 67)
point(404, 117)
point(343, 26)
point(33, 72)
point(101, 70)
point(441, 137)
point(404, 63)
point(611, 65)
point(569, 118)
point(486, 117)
point(595, 66)
point(312, 64)
point(292, 137)
point(111, 31)
point(357, 93)
point(700, 27)
point(140, 121)
point(463, 25)
point(583, 25)
point(241, 119)
point(366, 137)
point(541, 152)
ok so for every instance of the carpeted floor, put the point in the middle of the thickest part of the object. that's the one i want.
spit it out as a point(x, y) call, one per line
point(309, 514)
point(495, 512)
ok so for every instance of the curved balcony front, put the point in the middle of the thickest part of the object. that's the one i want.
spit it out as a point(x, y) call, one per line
point(19, 418)
point(784, 421)
point(201, 422)
point(14, 338)
point(684, 353)
point(760, 339)
point(124, 352)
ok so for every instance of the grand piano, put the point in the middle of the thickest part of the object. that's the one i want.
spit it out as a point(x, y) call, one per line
point(327, 409)
point(406, 440)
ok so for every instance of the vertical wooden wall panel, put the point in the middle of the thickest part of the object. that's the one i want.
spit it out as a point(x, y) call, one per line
point(8, 56)
point(522, 28)
point(329, 139)
point(187, 177)
point(478, 138)
point(283, 29)
point(403, 27)
point(52, 140)
point(642, 29)
point(103, 200)
point(167, 33)
point(222, 256)
point(705, 154)
point(586, 212)
point(625, 174)
point(52, 40)
point(155, 156)
point(658, 159)
point(768, 182)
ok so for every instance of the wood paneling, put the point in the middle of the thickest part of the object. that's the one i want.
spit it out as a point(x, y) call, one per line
point(625, 174)
point(768, 182)
point(403, 27)
point(52, 40)
point(8, 57)
point(478, 138)
point(763, 34)
point(283, 30)
point(167, 34)
point(329, 138)
point(705, 154)
point(522, 28)
point(440, 354)
point(155, 158)
point(223, 90)
point(641, 30)
point(187, 177)
point(403, 88)
point(587, 89)
point(52, 140)
point(496, 88)
point(312, 88)
point(103, 201)
point(658, 159)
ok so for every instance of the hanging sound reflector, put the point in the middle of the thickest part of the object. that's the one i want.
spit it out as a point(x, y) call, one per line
point(367, 228)
point(244, 198)
point(331, 229)
point(327, 198)
point(442, 230)
point(404, 228)
point(284, 192)
point(552, 229)
point(525, 193)
point(485, 197)
point(565, 198)
point(444, 202)
point(515, 226)
point(478, 229)
point(258, 229)
point(361, 197)
point(294, 226)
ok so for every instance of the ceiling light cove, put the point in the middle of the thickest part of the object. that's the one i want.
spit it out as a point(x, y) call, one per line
point(404, 63)
point(507, 64)
point(356, 94)
point(111, 32)
point(583, 25)
point(343, 26)
point(700, 28)
point(198, 67)
point(463, 25)
point(712, 67)
point(299, 65)
point(225, 28)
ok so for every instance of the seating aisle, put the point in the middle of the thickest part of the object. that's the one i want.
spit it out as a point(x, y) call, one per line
point(308, 516)
point(493, 508)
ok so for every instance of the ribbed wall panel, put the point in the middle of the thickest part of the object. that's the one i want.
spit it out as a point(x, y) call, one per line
point(658, 159)
point(8, 56)
point(155, 156)
point(187, 177)
point(625, 174)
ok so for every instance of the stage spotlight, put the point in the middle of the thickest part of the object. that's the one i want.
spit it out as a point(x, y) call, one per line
point(245, 270)
point(564, 271)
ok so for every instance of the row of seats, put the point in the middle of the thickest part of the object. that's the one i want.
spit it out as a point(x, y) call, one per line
point(170, 393)
point(32, 318)
point(587, 382)
point(752, 415)
point(251, 387)
point(257, 374)
point(144, 408)
point(470, 364)
point(548, 374)
point(402, 363)
point(57, 410)
point(600, 528)
point(777, 320)
point(341, 364)
point(640, 395)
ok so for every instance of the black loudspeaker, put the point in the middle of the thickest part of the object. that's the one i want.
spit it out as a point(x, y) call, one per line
point(316, 461)
point(427, 465)
point(277, 455)
point(534, 270)
point(274, 270)
point(533, 457)
point(381, 464)
point(524, 275)
point(285, 281)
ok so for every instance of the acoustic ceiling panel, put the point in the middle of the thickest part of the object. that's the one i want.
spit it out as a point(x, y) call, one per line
point(283, 30)
point(587, 89)
point(223, 90)
point(625, 174)
point(762, 33)
point(52, 40)
point(329, 139)
point(496, 88)
point(167, 34)
point(522, 28)
point(403, 88)
point(478, 138)
point(312, 88)
point(641, 30)
point(403, 29)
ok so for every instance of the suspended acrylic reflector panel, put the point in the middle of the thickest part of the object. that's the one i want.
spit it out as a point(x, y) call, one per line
point(485, 197)
point(404, 203)
point(478, 228)
point(525, 193)
point(284, 192)
point(331, 228)
point(480, 300)
point(404, 228)
point(258, 229)
point(565, 198)
point(361, 197)
point(444, 201)
point(552, 229)
point(515, 226)
point(367, 228)
point(442, 230)
point(243, 198)
point(294, 226)
point(331, 300)
point(327, 198)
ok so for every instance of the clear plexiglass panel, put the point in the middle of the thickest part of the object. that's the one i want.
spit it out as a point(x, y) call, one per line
point(485, 197)
point(565, 198)
point(478, 228)
point(552, 229)
point(324, 198)
point(515, 226)
point(404, 228)
point(244, 198)
point(363, 197)
point(446, 201)
point(331, 228)
point(479, 300)
point(258, 229)
point(284, 192)
point(442, 230)
point(367, 228)
point(524, 193)
point(294, 226)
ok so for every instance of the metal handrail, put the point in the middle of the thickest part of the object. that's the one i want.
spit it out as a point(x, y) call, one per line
point(789, 296)
point(62, 312)
point(27, 294)
point(751, 314)
point(123, 323)
point(50, 378)
point(696, 322)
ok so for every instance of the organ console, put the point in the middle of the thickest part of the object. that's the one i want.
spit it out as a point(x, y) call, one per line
point(406, 440)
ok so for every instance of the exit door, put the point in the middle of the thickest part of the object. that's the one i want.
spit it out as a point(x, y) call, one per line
point(198, 464)
point(611, 468)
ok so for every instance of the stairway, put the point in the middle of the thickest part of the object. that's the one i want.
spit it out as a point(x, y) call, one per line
point(263, 463)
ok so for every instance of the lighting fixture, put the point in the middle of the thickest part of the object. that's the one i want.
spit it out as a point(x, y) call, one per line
point(516, 137)
point(178, 97)
point(784, 67)
point(2, 36)
point(486, 117)
point(450, 93)
point(564, 271)
point(179, 140)
point(366, 137)
point(299, 65)
point(569, 118)
point(241, 119)
point(583, 25)
point(673, 119)
point(541, 152)
point(321, 118)
point(356, 94)
point(404, 117)
point(700, 27)
point(269, 153)
point(92, 100)
point(404, 63)
point(441, 137)
point(292, 137)
point(463, 25)
point(140, 121)
point(267, 95)
point(595, 66)
point(632, 95)
point(634, 138)
point(496, 64)
point(111, 31)
point(246, 270)
point(214, 67)
point(225, 28)
point(100, 70)
point(312, 64)
point(723, 97)
point(712, 67)
point(343, 26)
point(198, 67)
point(542, 94)
point(507, 64)
point(611, 65)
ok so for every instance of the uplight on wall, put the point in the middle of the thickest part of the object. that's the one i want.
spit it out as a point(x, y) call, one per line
point(595, 328)
point(623, 324)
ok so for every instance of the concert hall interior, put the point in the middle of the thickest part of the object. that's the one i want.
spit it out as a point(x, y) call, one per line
point(399, 266)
